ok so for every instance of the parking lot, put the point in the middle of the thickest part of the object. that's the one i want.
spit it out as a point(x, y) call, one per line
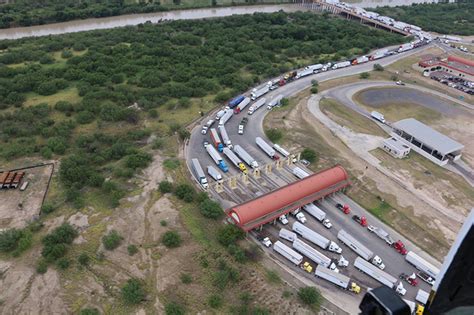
point(453, 81)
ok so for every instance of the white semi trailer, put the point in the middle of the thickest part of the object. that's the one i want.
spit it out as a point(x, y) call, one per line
point(360, 249)
point(214, 173)
point(266, 148)
point(256, 93)
point(245, 156)
point(200, 176)
point(288, 253)
point(304, 73)
point(311, 253)
point(225, 118)
point(275, 101)
point(239, 108)
point(261, 102)
point(374, 272)
point(225, 136)
point(336, 278)
point(288, 235)
point(341, 65)
point(422, 264)
point(300, 173)
point(315, 238)
point(318, 214)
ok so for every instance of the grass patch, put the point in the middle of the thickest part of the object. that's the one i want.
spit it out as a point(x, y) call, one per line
point(70, 94)
point(272, 277)
point(347, 117)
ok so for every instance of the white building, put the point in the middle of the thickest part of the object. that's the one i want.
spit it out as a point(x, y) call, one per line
point(395, 147)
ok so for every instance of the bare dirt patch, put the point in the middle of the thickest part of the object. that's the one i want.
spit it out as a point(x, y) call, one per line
point(18, 208)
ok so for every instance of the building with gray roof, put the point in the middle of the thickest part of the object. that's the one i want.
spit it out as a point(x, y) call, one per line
point(426, 141)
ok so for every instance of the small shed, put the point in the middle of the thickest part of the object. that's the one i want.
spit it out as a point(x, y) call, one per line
point(395, 148)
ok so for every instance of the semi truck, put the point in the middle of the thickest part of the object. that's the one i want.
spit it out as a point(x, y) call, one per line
point(341, 65)
point(374, 272)
point(275, 101)
point(360, 60)
point(235, 160)
point(377, 116)
point(315, 238)
point(299, 215)
point(299, 172)
point(360, 249)
point(242, 105)
point(288, 235)
point(318, 214)
point(200, 176)
point(315, 68)
point(266, 148)
point(261, 102)
point(292, 256)
point(381, 233)
point(225, 137)
point(236, 101)
point(256, 93)
point(216, 140)
point(422, 264)
point(405, 47)
point(245, 156)
point(220, 114)
point(211, 170)
point(285, 153)
point(225, 118)
point(337, 279)
point(217, 158)
point(304, 73)
point(378, 54)
point(311, 253)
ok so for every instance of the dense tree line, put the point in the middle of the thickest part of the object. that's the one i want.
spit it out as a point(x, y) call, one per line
point(160, 67)
point(33, 12)
point(443, 18)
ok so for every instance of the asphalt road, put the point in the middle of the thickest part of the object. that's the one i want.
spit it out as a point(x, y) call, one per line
point(394, 261)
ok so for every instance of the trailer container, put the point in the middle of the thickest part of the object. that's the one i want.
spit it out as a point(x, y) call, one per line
point(8, 181)
point(220, 114)
point(288, 253)
point(211, 170)
point(374, 272)
point(378, 116)
point(343, 64)
point(360, 60)
point(336, 278)
point(245, 156)
point(275, 101)
point(422, 297)
point(225, 118)
point(225, 137)
point(299, 172)
point(317, 213)
point(360, 249)
point(282, 151)
point(315, 68)
point(266, 148)
point(256, 93)
point(23, 186)
point(405, 47)
point(3, 178)
point(379, 54)
point(311, 253)
point(304, 73)
point(216, 140)
point(200, 176)
point(422, 264)
point(217, 158)
point(287, 235)
point(242, 105)
point(261, 102)
point(315, 238)
point(17, 179)
point(235, 101)
point(235, 160)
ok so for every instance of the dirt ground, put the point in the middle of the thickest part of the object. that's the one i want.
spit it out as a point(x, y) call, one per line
point(12, 215)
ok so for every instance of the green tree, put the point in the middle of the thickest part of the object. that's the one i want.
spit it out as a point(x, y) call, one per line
point(211, 209)
point(229, 234)
point(41, 266)
point(309, 155)
point(171, 239)
point(378, 67)
point(112, 240)
point(83, 259)
point(132, 249)
point(165, 187)
point(185, 192)
point(133, 292)
point(364, 75)
point(310, 296)
point(63, 263)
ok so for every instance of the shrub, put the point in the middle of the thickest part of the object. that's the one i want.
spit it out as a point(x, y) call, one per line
point(133, 292)
point(9, 239)
point(158, 144)
point(89, 311)
point(185, 192)
point(132, 249)
point(66, 54)
point(171, 164)
point(210, 209)
point(56, 243)
point(63, 263)
point(138, 160)
point(171, 239)
point(183, 134)
point(309, 296)
point(364, 75)
point(201, 196)
point(229, 234)
point(237, 253)
point(112, 240)
point(41, 266)
point(284, 102)
point(47, 208)
point(309, 155)
point(83, 259)
point(274, 134)
point(163, 223)
point(214, 301)
point(165, 187)
point(186, 278)
point(174, 309)
point(314, 83)
point(314, 90)
point(378, 67)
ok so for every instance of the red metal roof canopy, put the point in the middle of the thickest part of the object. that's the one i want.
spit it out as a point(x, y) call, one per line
point(270, 206)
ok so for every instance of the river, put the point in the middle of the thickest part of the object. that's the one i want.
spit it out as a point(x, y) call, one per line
point(134, 19)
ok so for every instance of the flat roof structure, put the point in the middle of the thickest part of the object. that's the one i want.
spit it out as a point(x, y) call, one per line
point(427, 141)
point(436, 140)
point(268, 207)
